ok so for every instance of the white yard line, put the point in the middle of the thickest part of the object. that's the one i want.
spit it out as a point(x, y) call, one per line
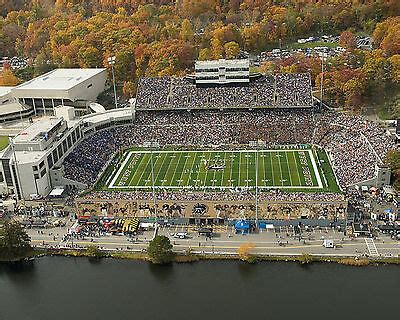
point(264, 171)
point(128, 156)
point(289, 171)
point(297, 167)
point(247, 169)
point(176, 167)
point(230, 176)
point(205, 178)
point(198, 172)
point(183, 170)
point(141, 175)
point(314, 164)
point(280, 167)
point(272, 169)
point(159, 170)
point(240, 159)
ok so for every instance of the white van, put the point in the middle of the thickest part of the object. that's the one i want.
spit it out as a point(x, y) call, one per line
point(328, 243)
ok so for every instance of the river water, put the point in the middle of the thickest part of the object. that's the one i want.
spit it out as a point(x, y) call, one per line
point(75, 288)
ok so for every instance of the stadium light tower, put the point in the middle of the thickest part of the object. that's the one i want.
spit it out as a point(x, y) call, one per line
point(322, 79)
point(111, 62)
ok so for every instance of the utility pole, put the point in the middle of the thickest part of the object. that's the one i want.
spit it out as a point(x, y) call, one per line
point(322, 80)
point(111, 62)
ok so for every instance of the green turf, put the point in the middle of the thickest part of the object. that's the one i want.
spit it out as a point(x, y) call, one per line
point(281, 168)
point(3, 142)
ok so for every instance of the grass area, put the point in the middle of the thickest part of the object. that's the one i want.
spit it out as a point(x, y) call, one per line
point(3, 142)
point(190, 257)
point(284, 168)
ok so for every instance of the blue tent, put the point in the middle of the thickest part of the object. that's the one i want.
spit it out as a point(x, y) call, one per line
point(242, 226)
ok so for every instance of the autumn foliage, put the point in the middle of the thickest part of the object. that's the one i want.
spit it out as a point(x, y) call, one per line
point(164, 37)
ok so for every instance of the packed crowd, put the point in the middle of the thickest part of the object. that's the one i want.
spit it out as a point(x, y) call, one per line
point(184, 195)
point(282, 90)
point(355, 144)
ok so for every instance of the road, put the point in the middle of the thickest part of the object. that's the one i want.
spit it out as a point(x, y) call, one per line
point(226, 242)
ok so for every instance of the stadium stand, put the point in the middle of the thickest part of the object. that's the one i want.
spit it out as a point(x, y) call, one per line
point(271, 91)
point(354, 143)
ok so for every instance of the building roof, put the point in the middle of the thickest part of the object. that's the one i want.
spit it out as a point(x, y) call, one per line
point(36, 130)
point(60, 79)
point(24, 157)
point(222, 62)
point(5, 90)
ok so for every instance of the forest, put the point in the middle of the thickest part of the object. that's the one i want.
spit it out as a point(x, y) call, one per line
point(164, 37)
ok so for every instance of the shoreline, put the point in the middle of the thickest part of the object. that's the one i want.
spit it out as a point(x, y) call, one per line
point(191, 257)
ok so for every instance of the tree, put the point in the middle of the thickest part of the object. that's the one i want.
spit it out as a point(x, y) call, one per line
point(7, 78)
point(393, 160)
point(89, 57)
point(232, 50)
point(160, 250)
point(93, 251)
point(347, 40)
point(244, 252)
point(186, 32)
point(217, 49)
point(14, 241)
point(129, 89)
point(205, 54)
point(395, 62)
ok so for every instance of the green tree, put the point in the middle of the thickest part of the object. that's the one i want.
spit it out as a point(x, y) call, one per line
point(205, 54)
point(216, 48)
point(393, 160)
point(93, 251)
point(232, 50)
point(186, 32)
point(14, 241)
point(90, 57)
point(160, 250)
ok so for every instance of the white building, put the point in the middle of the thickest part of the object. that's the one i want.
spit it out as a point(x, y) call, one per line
point(31, 164)
point(222, 71)
point(73, 87)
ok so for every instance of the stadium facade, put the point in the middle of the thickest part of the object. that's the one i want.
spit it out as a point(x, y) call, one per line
point(222, 72)
point(34, 162)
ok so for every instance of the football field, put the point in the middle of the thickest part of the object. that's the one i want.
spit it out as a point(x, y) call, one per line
point(280, 168)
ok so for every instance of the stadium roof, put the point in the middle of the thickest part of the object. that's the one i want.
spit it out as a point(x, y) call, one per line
point(60, 79)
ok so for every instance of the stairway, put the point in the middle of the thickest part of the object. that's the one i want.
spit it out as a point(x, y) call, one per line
point(373, 251)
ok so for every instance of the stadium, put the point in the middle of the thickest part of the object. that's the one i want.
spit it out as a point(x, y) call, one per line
point(219, 144)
